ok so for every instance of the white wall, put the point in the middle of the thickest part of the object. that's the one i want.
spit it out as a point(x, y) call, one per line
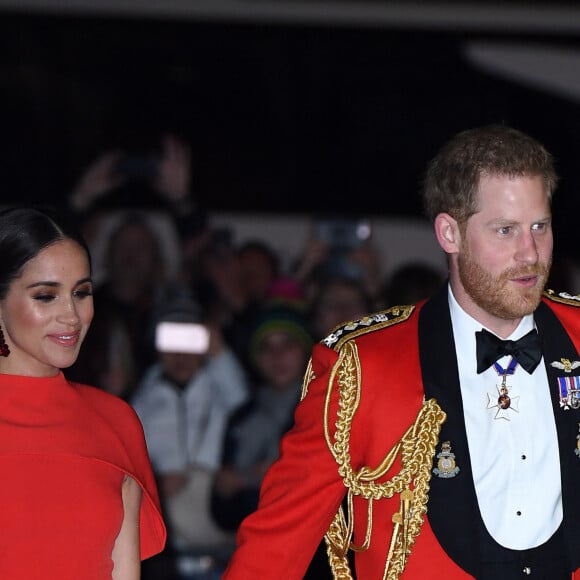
point(397, 240)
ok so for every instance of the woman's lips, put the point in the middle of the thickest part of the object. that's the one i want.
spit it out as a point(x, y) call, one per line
point(65, 338)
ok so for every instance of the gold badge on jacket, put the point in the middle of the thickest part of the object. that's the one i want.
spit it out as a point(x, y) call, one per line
point(446, 466)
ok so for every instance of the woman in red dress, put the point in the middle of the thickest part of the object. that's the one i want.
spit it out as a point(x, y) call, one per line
point(77, 494)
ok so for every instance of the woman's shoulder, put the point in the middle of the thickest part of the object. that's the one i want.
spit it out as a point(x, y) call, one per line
point(91, 393)
point(117, 438)
point(114, 409)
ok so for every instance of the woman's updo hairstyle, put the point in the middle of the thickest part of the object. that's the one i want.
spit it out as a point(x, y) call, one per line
point(24, 232)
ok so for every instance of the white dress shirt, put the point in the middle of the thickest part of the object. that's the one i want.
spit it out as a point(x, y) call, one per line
point(514, 452)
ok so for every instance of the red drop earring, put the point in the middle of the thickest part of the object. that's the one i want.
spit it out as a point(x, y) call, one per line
point(4, 350)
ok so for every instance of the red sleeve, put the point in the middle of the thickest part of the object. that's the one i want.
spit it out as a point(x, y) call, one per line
point(153, 534)
point(122, 443)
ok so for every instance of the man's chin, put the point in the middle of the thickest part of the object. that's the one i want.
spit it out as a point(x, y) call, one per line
point(528, 303)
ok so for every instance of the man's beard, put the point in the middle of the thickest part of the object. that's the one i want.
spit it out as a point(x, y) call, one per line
point(495, 294)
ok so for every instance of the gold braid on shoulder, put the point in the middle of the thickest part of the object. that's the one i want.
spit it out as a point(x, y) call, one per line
point(416, 449)
point(563, 297)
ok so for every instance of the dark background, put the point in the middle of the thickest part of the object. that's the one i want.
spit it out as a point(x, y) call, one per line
point(282, 117)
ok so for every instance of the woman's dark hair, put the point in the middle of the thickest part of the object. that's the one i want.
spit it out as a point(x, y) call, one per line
point(24, 232)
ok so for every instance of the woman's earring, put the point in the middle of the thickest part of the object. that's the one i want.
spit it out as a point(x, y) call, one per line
point(4, 350)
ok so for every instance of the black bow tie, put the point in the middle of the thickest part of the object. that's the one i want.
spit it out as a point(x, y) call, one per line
point(527, 350)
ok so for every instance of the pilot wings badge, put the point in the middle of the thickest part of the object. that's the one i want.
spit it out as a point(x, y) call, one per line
point(565, 364)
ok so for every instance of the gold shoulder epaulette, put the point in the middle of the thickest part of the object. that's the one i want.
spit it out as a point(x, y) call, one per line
point(370, 323)
point(563, 297)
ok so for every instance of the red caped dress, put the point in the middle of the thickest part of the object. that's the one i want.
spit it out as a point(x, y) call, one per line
point(65, 450)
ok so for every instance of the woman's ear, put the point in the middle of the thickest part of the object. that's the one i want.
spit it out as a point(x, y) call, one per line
point(447, 233)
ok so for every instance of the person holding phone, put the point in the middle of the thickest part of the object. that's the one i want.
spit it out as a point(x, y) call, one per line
point(184, 402)
point(78, 496)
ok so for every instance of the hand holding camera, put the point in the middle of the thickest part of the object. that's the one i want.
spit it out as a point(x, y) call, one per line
point(182, 337)
point(167, 172)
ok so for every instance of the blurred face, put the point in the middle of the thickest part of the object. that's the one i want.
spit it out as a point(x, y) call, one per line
point(281, 359)
point(47, 311)
point(257, 273)
point(505, 251)
point(133, 258)
point(340, 303)
point(180, 367)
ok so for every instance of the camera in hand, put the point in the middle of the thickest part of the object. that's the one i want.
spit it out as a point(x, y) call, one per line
point(181, 337)
point(137, 167)
point(343, 234)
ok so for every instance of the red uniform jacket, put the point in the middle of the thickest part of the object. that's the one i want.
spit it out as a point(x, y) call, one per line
point(403, 357)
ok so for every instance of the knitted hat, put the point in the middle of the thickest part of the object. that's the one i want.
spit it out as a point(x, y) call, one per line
point(179, 308)
point(279, 316)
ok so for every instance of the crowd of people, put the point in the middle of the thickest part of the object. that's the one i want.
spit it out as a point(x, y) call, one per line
point(291, 412)
point(213, 419)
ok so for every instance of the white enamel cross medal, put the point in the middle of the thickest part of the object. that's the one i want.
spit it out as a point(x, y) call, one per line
point(502, 401)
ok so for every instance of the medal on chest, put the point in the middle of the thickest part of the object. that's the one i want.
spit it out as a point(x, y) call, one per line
point(502, 402)
point(446, 466)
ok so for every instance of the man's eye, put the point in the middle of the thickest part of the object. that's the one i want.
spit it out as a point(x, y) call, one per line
point(539, 227)
point(505, 230)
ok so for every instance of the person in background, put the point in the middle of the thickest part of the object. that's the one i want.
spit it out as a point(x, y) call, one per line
point(279, 346)
point(160, 178)
point(233, 282)
point(119, 348)
point(136, 185)
point(338, 247)
point(452, 427)
point(410, 283)
point(338, 299)
point(79, 498)
point(260, 266)
point(184, 402)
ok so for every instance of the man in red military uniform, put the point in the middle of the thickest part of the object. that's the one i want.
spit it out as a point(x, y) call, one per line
point(441, 440)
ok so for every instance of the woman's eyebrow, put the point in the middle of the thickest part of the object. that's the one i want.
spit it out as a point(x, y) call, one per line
point(54, 284)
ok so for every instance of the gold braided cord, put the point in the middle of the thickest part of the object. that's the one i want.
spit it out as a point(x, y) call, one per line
point(347, 367)
point(308, 377)
point(416, 449)
point(336, 547)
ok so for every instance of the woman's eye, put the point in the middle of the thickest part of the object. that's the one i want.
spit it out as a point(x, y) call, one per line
point(44, 297)
point(83, 293)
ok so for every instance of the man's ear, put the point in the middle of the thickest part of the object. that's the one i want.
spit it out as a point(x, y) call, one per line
point(447, 233)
